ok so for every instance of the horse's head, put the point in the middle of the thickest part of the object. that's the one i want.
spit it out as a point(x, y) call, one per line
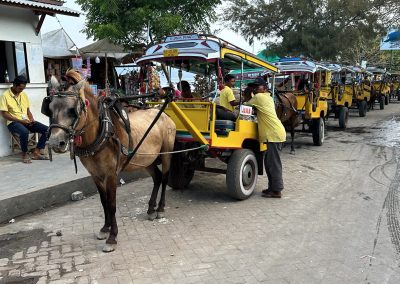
point(65, 111)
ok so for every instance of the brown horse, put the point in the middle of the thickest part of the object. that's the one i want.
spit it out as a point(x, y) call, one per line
point(286, 110)
point(90, 129)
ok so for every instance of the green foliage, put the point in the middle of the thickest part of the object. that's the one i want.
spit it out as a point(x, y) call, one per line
point(126, 22)
point(320, 29)
point(202, 86)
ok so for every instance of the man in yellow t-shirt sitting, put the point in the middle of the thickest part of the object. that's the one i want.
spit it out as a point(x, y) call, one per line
point(227, 100)
point(15, 108)
point(272, 132)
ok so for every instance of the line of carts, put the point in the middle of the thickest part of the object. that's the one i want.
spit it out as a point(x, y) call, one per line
point(322, 90)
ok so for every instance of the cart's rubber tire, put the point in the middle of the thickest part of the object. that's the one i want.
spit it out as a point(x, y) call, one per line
point(180, 173)
point(381, 102)
point(343, 117)
point(386, 100)
point(362, 108)
point(241, 174)
point(318, 131)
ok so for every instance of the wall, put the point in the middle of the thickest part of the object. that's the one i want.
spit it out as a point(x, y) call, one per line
point(18, 24)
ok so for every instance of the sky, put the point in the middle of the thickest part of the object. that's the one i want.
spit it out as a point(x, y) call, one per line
point(74, 26)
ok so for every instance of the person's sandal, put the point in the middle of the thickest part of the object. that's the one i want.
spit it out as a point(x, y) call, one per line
point(26, 160)
point(39, 157)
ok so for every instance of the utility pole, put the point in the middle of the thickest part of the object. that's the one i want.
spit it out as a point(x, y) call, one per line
point(391, 60)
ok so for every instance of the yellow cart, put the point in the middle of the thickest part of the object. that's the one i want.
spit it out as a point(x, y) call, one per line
point(200, 134)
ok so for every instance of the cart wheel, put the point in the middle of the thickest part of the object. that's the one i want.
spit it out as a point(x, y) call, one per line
point(180, 172)
point(398, 96)
point(241, 174)
point(343, 117)
point(362, 108)
point(318, 131)
point(381, 102)
point(386, 100)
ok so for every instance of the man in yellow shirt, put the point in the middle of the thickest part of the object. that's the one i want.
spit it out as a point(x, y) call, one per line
point(227, 100)
point(272, 132)
point(15, 108)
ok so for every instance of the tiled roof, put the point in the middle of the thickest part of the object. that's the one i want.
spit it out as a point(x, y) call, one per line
point(43, 7)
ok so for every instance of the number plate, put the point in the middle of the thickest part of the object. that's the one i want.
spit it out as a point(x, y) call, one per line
point(170, 52)
point(246, 110)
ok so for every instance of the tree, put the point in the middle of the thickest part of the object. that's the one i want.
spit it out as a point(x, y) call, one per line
point(320, 29)
point(202, 85)
point(129, 22)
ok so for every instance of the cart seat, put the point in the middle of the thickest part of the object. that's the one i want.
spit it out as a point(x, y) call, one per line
point(223, 127)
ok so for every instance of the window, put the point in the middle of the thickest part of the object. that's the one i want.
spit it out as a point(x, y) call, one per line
point(13, 61)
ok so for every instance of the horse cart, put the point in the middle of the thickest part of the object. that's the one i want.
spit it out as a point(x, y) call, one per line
point(394, 81)
point(200, 134)
point(380, 86)
point(296, 75)
point(327, 78)
point(361, 89)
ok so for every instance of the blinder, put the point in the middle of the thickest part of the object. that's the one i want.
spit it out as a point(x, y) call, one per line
point(46, 106)
point(45, 109)
point(78, 108)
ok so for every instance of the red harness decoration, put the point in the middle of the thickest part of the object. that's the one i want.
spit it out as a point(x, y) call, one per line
point(78, 140)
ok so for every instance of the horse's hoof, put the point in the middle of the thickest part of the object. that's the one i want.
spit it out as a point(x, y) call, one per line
point(160, 215)
point(101, 235)
point(152, 216)
point(292, 152)
point(108, 248)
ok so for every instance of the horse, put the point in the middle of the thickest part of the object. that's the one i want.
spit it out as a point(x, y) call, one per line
point(93, 129)
point(286, 110)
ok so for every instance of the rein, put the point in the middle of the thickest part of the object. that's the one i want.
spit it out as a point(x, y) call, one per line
point(132, 154)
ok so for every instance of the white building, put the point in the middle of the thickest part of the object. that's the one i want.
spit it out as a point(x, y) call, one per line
point(21, 52)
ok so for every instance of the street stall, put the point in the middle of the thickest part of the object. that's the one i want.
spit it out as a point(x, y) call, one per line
point(58, 52)
point(103, 56)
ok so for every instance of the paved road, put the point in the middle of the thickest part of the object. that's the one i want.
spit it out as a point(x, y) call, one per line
point(338, 222)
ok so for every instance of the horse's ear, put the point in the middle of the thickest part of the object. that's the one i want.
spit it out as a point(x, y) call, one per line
point(54, 84)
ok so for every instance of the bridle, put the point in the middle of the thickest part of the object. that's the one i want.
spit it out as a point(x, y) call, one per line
point(80, 108)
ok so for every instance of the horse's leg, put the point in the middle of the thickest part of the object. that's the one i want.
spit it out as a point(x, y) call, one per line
point(102, 235)
point(157, 178)
point(161, 203)
point(166, 163)
point(292, 151)
point(111, 186)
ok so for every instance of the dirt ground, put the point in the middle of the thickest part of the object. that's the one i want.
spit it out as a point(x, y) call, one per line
point(338, 222)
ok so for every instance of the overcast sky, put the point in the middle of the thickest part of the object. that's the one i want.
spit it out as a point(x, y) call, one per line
point(73, 26)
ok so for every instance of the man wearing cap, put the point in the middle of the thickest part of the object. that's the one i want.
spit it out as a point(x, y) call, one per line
point(272, 132)
point(15, 108)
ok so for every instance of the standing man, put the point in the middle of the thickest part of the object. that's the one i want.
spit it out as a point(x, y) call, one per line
point(15, 108)
point(227, 100)
point(270, 131)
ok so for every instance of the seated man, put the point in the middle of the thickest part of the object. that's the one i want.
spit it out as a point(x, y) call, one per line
point(227, 100)
point(15, 108)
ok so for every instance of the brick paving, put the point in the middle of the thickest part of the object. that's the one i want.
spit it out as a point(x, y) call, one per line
point(331, 226)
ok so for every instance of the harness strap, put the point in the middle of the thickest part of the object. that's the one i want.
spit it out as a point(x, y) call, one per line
point(132, 154)
point(281, 102)
point(106, 131)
